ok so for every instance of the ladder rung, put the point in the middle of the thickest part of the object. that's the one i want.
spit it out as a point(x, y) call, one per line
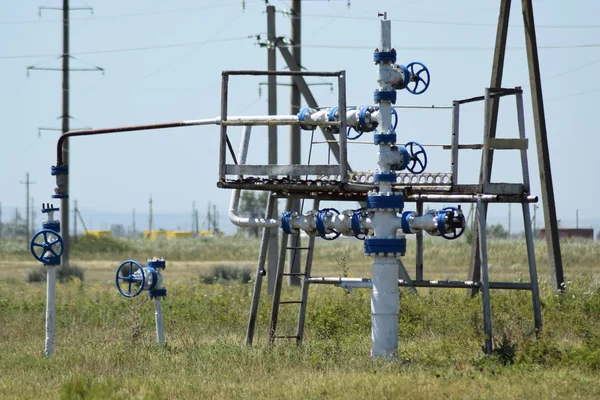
point(286, 337)
point(294, 274)
point(298, 248)
point(291, 302)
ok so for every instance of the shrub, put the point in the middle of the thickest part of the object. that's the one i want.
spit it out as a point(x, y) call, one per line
point(227, 273)
point(63, 274)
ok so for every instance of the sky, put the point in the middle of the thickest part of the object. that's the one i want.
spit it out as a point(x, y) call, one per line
point(162, 62)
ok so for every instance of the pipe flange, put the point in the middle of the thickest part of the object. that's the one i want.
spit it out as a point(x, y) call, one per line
point(384, 95)
point(162, 292)
point(384, 56)
point(384, 138)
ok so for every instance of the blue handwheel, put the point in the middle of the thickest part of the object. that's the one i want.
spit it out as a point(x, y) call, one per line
point(46, 246)
point(456, 223)
point(133, 274)
point(418, 157)
point(420, 74)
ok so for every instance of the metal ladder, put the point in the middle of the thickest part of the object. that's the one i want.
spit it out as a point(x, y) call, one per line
point(277, 302)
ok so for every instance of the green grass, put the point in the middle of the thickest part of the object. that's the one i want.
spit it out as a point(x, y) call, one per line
point(105, 344)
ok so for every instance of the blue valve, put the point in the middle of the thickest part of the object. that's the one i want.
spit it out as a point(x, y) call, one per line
point(320, 224)
point(47, 247)
point(419, 74)
point(417, 157)
point(133, 274)
point(456, 220)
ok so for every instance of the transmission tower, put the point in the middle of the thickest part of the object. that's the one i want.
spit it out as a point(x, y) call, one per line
point(65, 116)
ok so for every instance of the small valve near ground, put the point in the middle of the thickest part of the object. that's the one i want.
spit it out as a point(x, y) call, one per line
point(131, 279)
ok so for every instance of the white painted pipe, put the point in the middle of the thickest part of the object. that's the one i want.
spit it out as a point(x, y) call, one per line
point(50, 308)
point(160, 334)
point(385, 307)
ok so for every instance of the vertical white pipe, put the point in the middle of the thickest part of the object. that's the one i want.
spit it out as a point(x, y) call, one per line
point(160, 335)
point(50, 309)
point(385, 306)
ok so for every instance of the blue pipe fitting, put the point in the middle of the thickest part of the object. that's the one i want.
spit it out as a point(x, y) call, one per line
point(285, 222)
point(320, 224)
point(331, 117)
point(157, 264)
point(395, 201)
point(382, 56)
point(405, 221)
point(384, 95)
point(362, 119)
point(382, 138)
point(47, 246)
point(302, 117)
point(385, 246)
point(355, 224)
point(61, 172)
point(384, 178)
point(162, 292)
point(441, 222)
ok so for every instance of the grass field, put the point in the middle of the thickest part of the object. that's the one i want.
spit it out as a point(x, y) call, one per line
point(106, 346)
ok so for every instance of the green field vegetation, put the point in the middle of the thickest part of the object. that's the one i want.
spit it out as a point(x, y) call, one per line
point(106, 347)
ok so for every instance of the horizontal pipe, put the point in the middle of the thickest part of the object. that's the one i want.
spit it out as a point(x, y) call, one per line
point(367, 283)
point(90, 132)
point(282, 73)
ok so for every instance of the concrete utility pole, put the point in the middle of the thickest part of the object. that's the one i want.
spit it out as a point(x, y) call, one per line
point(65, 116)
point(27, 212)
point(74, 218)
point(295, 142)
point(273, 246)
point(33, 215)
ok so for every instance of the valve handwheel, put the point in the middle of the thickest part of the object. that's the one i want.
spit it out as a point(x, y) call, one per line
point(418, 157)
point(132, 273)
point(456, 220)
point(46, 246)
point(420, 74)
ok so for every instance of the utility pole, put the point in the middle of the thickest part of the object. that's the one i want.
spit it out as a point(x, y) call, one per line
point(0, 220)
point(150, 217)
point(65, 116)
point(133, 222)
point(273, 245)
point(27, 213)
point(74, 218)
point(295, 142)
point(33, 215)
point(215, 219)
point(196, 217)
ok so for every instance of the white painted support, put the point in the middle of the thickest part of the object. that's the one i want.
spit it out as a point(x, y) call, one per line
point(160, 334)
point(385, 306)
point(50, 309)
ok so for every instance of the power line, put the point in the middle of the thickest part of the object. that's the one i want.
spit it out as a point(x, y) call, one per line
point(450, 23)
point(130, 49)
point(132, 15)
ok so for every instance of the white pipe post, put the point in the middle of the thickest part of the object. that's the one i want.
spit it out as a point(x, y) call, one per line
point(385, 303)
point(50, 308)
point(160, 334)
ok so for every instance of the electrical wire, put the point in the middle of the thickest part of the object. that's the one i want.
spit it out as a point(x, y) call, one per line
point(130, 49)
